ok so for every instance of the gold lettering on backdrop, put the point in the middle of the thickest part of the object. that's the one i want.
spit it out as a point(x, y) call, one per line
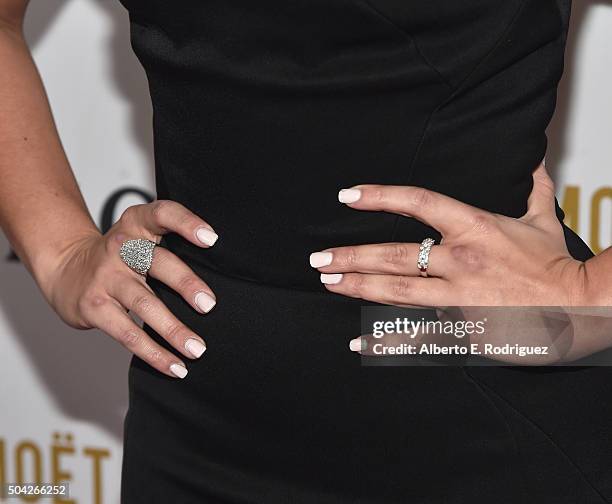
point(21, 475)
point(601, 194)
point(570, 205)
point(59, 475)
point(96, 455)
point(29, 469)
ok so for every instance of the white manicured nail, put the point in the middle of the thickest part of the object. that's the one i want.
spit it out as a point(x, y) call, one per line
point(195, 347)
point(320, 259)
point(349, 195)
point(355, 345)
point(207, 236)
point(178, 370)
point(205, 302)
point(331, 279)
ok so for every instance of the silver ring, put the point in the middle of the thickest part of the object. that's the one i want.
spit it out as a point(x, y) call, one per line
point(138, 254)
point(423, 259)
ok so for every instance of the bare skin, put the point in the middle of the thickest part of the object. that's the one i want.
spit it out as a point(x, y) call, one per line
point(484, 260)
point(45, 219)
point(79, 271)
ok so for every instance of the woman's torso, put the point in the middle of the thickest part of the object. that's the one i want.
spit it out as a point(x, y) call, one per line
point(262, 111)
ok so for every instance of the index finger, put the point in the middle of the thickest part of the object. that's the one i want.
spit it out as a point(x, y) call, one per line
point(447, 215)
point(162, 216)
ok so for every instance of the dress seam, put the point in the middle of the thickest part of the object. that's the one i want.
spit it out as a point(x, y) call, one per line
point(412, 38)
point(518, 452)
point(544, 433)
point(454, 91)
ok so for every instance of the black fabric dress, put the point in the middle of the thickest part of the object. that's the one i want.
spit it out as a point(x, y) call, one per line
point(262, 111)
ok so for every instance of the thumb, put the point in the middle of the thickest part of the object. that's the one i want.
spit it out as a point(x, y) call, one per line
point(542, 198)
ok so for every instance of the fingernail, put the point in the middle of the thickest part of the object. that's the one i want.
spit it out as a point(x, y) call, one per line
point(331, 279)
point(195, 347)
point(320, 259)
point(349, 195)
point(205, 302)
point(178, 370)
point(355, 345)
point(207, 236)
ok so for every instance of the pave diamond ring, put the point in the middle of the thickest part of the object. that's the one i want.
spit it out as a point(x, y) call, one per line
point(423, 259)
point(137, 254)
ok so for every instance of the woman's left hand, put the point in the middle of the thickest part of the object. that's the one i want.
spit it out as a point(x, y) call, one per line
point(484, 259)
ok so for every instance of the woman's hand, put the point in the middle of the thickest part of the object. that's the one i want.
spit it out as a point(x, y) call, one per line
point(42, 212)
point(484, 259)
point(93, 288)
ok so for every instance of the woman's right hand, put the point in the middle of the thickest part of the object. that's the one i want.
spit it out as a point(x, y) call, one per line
point(93, 288)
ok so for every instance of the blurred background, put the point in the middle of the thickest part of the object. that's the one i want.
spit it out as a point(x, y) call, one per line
point(63, 393)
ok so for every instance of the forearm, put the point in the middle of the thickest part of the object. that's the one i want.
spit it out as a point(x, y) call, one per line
point(42, 210)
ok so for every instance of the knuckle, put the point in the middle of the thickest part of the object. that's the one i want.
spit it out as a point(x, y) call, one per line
point(155, 356)
point(484, 223)
point(159, 208)
point(161, 257)
point(152, 354)
point(141, 303)
point(378, 194)
point(356, 284)
point(459, 252)
point(420, 197)
point(467, 256)
point(129, 214)
point(174, 333)
point(350, 257)
point(401, 287)
point(188, 283)
point(89, 302)
point(115, 237)
point(187, 219)
point(395, 254)
point(129, 338)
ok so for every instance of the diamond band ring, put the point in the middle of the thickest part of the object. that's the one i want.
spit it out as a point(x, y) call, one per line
point(138, 254)
point(423, 259)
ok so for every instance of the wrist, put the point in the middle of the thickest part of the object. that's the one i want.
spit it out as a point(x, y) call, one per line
point(595, 282)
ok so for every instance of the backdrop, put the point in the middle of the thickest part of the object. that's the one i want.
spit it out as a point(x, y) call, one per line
point(63, 393)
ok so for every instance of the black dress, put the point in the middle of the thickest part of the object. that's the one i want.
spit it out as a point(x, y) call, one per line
point(263, 109)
